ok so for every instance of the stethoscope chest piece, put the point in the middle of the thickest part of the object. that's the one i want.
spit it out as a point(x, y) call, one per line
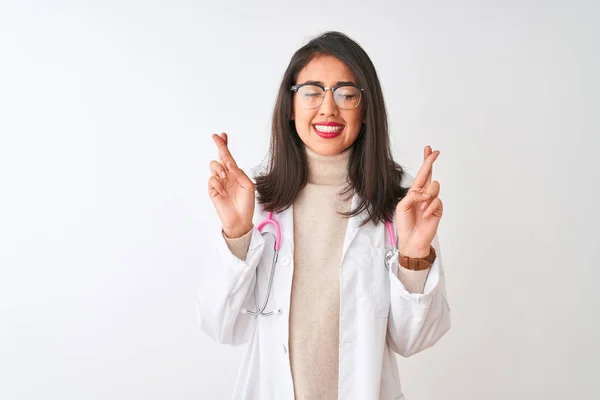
point(390, 255)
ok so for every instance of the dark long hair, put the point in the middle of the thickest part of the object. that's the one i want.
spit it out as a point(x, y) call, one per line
point(372, 172)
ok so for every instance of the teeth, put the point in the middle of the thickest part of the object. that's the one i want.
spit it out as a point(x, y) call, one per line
point(328, 129)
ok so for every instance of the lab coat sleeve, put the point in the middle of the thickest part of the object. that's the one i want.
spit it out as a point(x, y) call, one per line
point(418, 320)
point(227, 286)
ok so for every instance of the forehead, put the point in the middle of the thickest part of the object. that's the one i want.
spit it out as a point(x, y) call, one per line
point(326, 69)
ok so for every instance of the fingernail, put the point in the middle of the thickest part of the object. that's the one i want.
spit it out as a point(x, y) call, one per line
point(223, 175)
point(426, 195)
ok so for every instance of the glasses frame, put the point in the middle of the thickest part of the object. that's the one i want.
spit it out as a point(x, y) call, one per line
point(325, 89)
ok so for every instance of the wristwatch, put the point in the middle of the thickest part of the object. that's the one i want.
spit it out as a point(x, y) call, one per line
point(418, 264)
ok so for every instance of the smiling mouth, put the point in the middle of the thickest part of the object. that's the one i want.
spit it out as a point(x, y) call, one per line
point(328, 130)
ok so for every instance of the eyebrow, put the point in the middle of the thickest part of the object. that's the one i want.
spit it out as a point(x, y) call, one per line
point(322, 84)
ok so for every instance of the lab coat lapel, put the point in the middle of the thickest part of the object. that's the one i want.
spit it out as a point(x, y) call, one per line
point(353, 225)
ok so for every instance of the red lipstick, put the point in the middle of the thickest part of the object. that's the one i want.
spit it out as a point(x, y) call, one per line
point(332, 130)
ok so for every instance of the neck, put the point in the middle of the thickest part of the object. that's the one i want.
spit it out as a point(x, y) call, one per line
point(328, 170)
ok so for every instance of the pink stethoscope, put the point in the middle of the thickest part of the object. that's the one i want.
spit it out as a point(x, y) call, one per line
point(270, 220)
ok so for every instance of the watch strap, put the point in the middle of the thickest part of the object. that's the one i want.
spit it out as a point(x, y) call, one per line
point(418, 264)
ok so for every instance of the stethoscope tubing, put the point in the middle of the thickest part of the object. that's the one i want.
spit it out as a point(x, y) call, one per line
point(271, 221)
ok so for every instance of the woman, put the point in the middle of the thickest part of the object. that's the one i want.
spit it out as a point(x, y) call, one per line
point(343, 295)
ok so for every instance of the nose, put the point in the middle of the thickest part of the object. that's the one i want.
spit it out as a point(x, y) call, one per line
point(328, 107)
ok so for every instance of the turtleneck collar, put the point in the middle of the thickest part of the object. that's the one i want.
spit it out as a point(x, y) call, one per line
point(327, 170)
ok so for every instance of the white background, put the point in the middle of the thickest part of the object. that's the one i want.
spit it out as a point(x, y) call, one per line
point(106, 112)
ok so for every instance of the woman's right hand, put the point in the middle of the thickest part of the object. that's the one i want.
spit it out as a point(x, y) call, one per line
point(231, 192)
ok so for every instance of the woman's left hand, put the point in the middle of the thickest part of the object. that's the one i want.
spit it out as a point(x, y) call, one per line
point(418, 216)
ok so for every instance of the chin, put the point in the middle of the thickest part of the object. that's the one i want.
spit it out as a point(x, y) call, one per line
point(327, 150)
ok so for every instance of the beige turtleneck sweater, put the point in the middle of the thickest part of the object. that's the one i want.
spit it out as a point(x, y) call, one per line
point(319, 232)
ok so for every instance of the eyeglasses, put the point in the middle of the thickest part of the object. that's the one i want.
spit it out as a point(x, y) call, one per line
point(311, 95)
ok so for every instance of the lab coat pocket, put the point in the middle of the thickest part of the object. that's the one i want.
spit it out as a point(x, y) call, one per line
point(381, 282)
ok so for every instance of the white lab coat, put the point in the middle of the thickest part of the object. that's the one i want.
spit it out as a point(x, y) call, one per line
point(378, 316)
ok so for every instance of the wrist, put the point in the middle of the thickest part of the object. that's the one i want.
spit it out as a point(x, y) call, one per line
point(416, 260)
point(236, 233)
point(415, 253)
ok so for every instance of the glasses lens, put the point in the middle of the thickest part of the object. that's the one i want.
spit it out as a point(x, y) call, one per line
point(347, 97)
point(310, 96)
